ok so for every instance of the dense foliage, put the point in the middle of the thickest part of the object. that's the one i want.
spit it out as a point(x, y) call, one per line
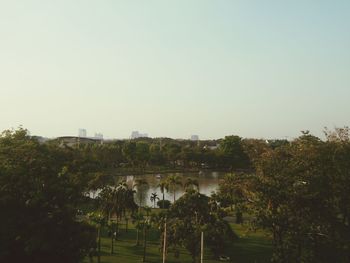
point(39, 195)
point(190, 215)
point(142, 153)
point(302, 196)
point(300, 193)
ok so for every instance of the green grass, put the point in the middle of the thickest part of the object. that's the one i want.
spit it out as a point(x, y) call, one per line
point(249, 247)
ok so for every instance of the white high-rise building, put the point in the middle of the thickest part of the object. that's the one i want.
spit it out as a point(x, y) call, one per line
point(194, 137)
point(98, 136)
point(82, 133)
point(136, 134)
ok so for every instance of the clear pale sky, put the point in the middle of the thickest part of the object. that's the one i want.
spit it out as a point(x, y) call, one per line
point(175, 68)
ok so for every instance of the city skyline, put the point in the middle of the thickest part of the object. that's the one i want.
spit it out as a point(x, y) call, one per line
point(257, 69)
point(83, 133)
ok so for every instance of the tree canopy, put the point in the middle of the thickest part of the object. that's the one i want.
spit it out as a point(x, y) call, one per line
point(39, 195)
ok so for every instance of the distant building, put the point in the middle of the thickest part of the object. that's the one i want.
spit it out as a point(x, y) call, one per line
point(82, 133)
point(40, 139)
point(211, 147)
point(194, 137)
point(98, 136)
point(136, 134)
point(73, 141)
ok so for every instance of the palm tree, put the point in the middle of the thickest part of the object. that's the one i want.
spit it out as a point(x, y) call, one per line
point(140, 184)
point(148, 210)
point(116, 201)
point(112, 226)
point(109, 204)
point(154, 198)
point(191, 184)
point(163, 185)
point(146, 226)
point(137, 220)
point(122, 202)
point(98, 220)
point(122, 185)
point(144, 223)
point(128, 202)
point(106, 200)
point(174, 181)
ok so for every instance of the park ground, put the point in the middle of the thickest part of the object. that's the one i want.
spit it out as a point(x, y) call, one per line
point(249, 247)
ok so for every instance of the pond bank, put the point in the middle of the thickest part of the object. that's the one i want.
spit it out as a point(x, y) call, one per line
point(163, 170)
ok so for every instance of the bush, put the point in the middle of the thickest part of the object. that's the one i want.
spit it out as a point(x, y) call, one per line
point(164, 204)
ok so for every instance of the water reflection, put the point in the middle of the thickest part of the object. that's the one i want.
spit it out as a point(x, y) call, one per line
point(208, 182)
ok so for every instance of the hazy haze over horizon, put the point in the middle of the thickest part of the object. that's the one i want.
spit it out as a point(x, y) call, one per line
point(175, 68)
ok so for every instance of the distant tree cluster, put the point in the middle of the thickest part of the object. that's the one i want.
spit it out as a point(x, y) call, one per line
point(229, 153)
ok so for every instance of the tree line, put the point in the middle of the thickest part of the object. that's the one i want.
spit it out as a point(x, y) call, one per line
point(227, 153)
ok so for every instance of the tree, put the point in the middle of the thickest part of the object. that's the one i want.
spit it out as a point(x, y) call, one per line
point(300, 194)
point(154, 197)
point(255, 148)
point(163, 185)
point(97, 220)
point(98, 181)
point(129, 151)
point(145, 225)
point(137, 220)
point(107, 155)
point(140, 184)
point(107, 201)
point(191, 184)
point(113, 232)
point(172, 151)
point(164, 204)
point(115, 201)
point(39, 197)
point(190, 215)
point(188, 155)
point(231, 194)
point(156, 156)
point(142, 154)
point(173, 182)
point(231, 147)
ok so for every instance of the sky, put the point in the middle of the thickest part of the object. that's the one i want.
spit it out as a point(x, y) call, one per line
point(263, 69)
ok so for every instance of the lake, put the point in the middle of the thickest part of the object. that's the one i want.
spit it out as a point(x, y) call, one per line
point(208, 182)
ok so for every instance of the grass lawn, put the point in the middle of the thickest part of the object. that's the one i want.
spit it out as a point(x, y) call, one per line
point(254, 247)
point(251, 247)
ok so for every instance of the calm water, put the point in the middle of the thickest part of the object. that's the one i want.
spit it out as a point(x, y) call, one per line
point(208, 182)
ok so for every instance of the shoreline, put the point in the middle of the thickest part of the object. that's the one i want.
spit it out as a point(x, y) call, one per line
point(119, 172)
